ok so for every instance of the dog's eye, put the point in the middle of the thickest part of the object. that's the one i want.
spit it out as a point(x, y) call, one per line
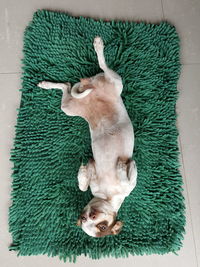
point(103, 227)
point(83, 218)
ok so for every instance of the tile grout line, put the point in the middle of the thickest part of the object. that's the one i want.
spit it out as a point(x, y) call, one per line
point(162, 10)
point(2, 73)
point(190, 212)
point(183, 64)
point(188, 64)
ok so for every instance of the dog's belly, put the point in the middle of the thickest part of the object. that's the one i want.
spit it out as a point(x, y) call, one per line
point(108, 148)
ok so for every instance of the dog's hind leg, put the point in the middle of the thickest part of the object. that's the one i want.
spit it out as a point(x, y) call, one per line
point(132, 173)
point(51, 85)
point(109, 74)
point(66, 97)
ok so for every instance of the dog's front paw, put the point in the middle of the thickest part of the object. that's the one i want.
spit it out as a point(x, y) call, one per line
point(83, 180)
point(98, 44)
point(121, 165)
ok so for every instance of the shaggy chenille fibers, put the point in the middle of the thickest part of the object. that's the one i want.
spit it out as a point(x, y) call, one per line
point(50, 146)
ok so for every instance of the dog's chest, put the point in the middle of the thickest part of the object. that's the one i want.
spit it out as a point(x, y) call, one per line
point(105, 187)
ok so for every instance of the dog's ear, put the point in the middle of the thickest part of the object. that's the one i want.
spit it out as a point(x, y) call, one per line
point(78, 223)
point(117, 227)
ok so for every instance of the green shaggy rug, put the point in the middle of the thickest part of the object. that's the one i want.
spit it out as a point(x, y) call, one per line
point(50, 146)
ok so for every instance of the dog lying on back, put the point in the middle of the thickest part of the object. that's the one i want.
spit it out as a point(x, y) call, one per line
point(111, 174)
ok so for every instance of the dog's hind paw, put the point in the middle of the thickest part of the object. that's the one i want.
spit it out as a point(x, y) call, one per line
point(98, 44)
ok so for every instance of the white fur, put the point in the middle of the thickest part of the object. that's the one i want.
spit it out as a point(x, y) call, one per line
point(76, 94)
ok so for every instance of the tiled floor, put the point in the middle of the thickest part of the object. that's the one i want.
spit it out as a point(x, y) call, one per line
point(185, 14)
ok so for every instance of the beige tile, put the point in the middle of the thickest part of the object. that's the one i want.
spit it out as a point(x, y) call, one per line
point(15, 16)
point(189, 124)
point(150, 10)
point(185, 15)
point(9, 102)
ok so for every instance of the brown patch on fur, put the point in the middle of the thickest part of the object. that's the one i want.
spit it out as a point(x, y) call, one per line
point(85, 81)
point(97, 110)
point(117, 228)
point(101, 102)
point(110, 229)
point(98, 105)
point(124, 159)
point(107, 231)
point(85, 84)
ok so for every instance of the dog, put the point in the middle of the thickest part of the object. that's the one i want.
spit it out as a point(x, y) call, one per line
point(111, 174)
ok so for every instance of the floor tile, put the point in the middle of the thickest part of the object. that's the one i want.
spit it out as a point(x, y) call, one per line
point(150, 10)
point(9, 102)
point(15, 16)
point(185, 15)
point(189, 125)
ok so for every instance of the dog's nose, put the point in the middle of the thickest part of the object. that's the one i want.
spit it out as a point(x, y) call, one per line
point(93, 214)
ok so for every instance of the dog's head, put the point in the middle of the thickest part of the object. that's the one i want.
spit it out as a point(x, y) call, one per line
point(98, 219)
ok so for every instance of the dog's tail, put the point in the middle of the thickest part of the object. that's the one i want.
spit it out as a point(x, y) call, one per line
point(75, 92)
